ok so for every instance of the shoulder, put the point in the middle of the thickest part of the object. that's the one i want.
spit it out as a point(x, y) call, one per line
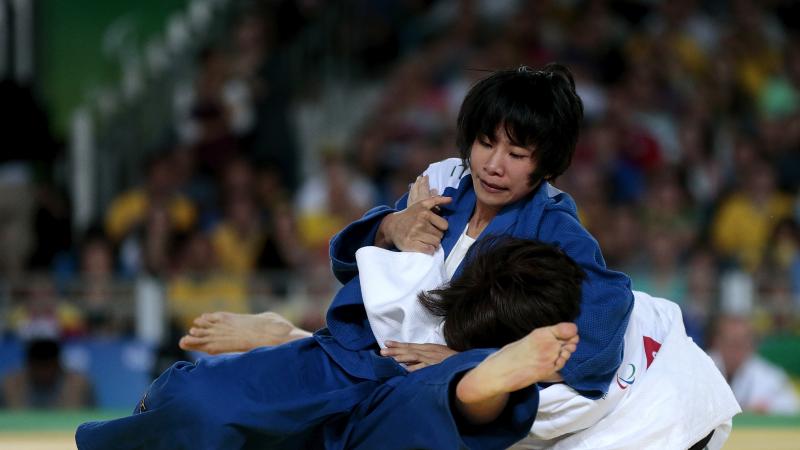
point(560, 214)
point(558, 200)
point(559, 224)
point(446, 174)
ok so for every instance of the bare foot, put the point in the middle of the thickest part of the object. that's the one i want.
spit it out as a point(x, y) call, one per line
point(536, 357)
point(224, 332)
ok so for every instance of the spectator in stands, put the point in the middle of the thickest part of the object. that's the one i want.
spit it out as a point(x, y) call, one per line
point(271, 191)
point(201, 189)
point(282, 250)
point(779, 114)
point(667, 207)
point(702, 286)
point(783, 255)
point(215, 85)
point(51, 225)
point(659, 271)
point(103, 311)
point(704, 172)
point(266, 72)
point(753, 43)
point(28, 149)
point(237, 179)
point(328, 202)
point(746, 219)
point(638, 153)
point(129, 210)
point(619, 232)
point(216, 146)
point(759, 386)
point(41, 312)
point(774, 312)
point(199, 286)
point(44, 383)
point(17, 205)
point(239, 239)
point(142, 220)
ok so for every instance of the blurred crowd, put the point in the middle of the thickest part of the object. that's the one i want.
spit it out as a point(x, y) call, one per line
point(687, 170)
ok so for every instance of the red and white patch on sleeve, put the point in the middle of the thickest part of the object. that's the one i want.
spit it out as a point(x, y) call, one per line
point(651, 348)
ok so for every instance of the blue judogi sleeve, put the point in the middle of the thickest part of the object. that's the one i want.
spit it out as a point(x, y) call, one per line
point(415, 411)
point(606, 305)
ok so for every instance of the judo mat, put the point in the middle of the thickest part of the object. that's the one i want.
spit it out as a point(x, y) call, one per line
point(55, 430)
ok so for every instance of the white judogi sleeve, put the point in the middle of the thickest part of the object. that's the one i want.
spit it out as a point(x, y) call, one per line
point(390, 282)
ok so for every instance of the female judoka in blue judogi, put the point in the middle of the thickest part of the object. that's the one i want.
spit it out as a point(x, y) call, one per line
point(516, 130)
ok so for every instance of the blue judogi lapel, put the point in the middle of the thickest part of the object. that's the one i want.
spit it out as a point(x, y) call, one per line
point(519, 219)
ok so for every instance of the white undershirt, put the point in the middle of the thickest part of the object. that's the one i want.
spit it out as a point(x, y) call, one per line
point(458, 253)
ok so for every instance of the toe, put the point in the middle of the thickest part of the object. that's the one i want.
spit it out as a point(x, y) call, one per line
point(564, 331)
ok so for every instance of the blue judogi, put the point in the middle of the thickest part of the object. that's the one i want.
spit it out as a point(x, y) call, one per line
point(294, 396)
point(548, 215)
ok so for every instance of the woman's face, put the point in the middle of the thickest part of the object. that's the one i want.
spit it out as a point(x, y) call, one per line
point(500, 170)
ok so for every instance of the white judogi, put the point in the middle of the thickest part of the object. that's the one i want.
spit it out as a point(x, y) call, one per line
point(671, 401)
point(668, 401)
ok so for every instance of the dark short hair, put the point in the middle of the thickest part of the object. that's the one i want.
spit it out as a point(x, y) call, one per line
point(538, 110)
point(509, 287)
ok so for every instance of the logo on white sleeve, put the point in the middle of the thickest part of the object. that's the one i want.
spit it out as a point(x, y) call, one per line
point(626, 376)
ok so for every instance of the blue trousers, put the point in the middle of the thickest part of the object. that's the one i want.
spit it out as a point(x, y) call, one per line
point(296, 396)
